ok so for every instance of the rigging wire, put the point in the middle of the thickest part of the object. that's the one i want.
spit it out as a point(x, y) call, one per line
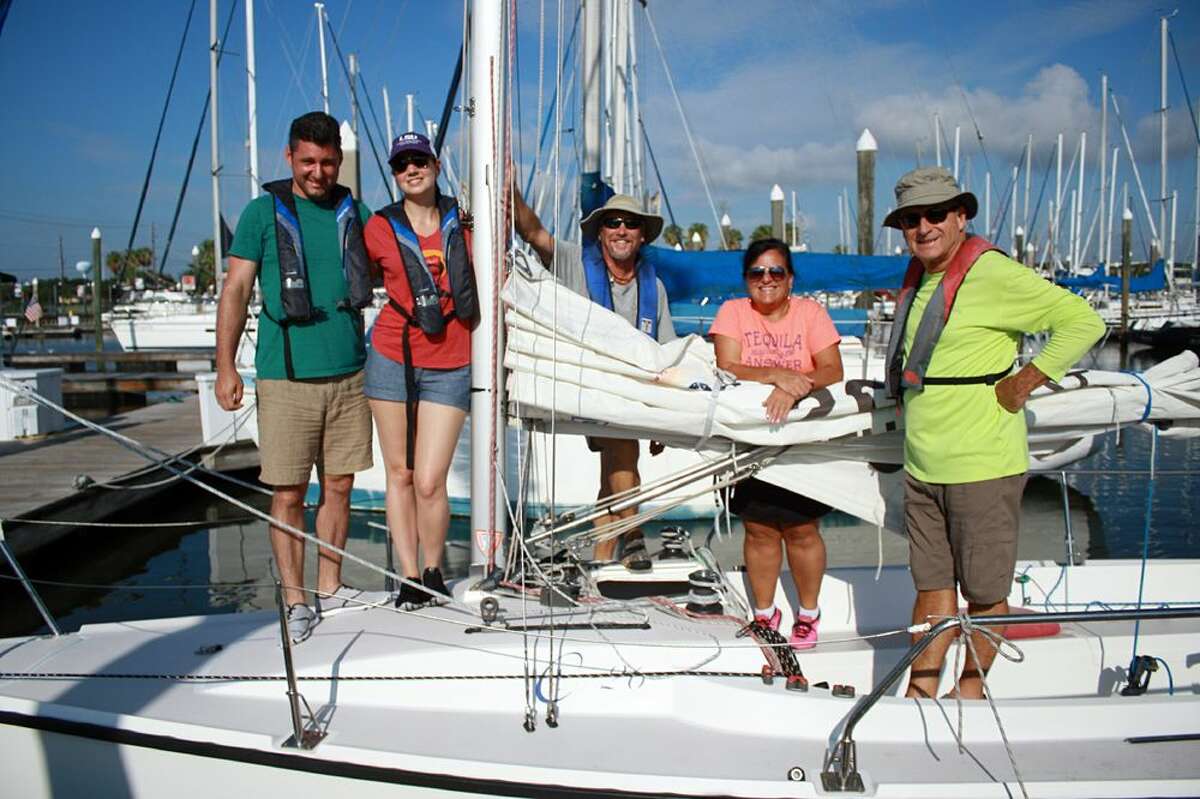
point(370, 139)
point(187, 172)
point(137, 216)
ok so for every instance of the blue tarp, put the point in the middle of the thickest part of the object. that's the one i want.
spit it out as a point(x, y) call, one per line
point(718, 274)
point(1155, 281)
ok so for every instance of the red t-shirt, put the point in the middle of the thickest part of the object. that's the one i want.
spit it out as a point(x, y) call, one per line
point(451, 349)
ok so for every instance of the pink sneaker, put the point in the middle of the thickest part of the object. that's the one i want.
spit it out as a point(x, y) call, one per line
point(804, 632)
point(771, 623)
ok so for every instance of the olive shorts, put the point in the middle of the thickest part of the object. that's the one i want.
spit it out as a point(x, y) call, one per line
point(964, 534)
point(324, 422)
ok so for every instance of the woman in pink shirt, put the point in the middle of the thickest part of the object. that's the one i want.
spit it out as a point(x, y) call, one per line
point(792, 344)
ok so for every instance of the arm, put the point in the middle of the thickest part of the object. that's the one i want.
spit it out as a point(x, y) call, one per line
point(530, 228)
point(790, 385)
point(231, 321)
point(1074, 327)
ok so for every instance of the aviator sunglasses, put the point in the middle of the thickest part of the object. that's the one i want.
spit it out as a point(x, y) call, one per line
point(758, 272)
point(419, 161)
point(630, 222)
point(935, 214)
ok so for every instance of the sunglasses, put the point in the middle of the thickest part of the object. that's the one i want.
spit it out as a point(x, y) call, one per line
point(419, 161)
point(936, 215)
point(759, 272)
point(630, 222)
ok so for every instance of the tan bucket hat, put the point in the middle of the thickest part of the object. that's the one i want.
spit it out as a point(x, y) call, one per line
point(926, 186)
point(652, 224)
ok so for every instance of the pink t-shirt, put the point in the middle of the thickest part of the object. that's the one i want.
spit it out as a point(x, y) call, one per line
point(788, 343)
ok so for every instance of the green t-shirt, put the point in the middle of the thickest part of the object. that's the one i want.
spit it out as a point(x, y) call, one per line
point(332, 343)
point(960, 434)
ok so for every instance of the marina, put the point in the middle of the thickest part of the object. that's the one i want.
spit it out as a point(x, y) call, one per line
point(726, 518)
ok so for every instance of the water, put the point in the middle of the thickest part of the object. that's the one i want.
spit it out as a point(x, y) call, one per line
point(222, 562)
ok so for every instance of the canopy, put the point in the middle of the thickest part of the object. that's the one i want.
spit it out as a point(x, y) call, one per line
point(1155, 281)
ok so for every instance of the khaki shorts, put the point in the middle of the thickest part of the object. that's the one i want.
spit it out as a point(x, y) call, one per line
point(301, 423)
point(964, 534)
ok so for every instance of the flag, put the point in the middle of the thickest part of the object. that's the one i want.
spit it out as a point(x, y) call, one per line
point(33, 311)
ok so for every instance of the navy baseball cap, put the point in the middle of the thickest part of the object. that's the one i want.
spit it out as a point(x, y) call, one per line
point(411, 142)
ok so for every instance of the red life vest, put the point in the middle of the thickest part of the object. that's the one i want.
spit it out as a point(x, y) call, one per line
point(908, 370)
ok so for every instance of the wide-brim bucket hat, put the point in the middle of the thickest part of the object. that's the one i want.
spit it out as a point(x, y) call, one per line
point(652, 224)
point(926, 186)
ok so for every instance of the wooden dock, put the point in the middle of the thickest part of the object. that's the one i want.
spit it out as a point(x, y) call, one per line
point(42, 476)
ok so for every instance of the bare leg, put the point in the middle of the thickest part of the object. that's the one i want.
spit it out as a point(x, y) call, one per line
point(391, 424)
point(763, 557)
point(438, 427)
point(806, 559)
point(926, 669)
point(970, 684)
point(618, 473)
point(287, 506)
point(333, 527)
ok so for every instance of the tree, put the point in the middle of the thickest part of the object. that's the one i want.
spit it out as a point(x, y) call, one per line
point(761, 232)
point(673, 234)
point(202, 266)
point(125, 265)
point(734, 238)
point(702, 229)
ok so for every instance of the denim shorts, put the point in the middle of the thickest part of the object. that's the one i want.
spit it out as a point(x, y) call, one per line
point(385, 381)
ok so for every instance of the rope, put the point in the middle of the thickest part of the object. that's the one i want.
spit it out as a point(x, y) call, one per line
point(209, 678)
point(1149, 405)
point(998, 641)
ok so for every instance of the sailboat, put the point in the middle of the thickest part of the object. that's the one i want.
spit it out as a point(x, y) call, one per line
point(553, 677)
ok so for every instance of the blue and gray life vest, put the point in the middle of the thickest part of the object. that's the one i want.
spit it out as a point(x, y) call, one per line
point(908, 370)
point(600, 289)
point(295, 292)
point(426, 312)
point(427, 299)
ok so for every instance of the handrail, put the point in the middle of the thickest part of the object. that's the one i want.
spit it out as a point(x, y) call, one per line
point(29, 589)
point(841, 773)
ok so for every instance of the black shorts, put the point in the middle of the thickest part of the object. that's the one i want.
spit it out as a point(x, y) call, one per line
point(760, 501)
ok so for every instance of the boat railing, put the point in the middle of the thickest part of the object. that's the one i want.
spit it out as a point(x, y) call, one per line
point(841, 773)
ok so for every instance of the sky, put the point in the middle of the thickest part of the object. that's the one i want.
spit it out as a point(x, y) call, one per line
point(773, 92)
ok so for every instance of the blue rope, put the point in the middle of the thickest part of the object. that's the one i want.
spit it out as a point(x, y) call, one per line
point(1149, 396)
point(1145, 541)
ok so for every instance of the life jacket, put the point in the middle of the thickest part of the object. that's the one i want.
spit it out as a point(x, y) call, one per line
point(426, 312)
point(909, 371)
point(295, 293)
point(600, 289)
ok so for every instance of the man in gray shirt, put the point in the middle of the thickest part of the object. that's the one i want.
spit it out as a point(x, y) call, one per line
point(608, 269)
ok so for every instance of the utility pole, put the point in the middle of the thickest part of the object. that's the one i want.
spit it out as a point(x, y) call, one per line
point(97, 282)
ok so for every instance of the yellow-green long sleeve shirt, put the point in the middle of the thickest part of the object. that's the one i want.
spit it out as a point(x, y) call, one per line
point(960, 434)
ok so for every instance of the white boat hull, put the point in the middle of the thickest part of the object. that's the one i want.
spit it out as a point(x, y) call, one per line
point(414, 704)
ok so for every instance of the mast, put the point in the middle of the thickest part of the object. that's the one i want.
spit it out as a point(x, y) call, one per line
point(1100, 255)
point(1028, 172)
point(1163, 195)
point(937, 140)
point(590, 55)
point(320, 7)
point(635, 139)
point(252, 98)
point(215, 160)
point(1077, 248)
point(957, 140)
point(486, 179)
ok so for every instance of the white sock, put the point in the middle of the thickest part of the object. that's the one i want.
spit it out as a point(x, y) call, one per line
point(764, 613)
point(812, 613)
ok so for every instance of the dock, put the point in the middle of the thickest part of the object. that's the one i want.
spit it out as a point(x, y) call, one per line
point(60, 476)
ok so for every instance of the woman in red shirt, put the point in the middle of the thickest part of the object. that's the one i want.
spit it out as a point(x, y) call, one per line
point(791, 343)
point(418, 375)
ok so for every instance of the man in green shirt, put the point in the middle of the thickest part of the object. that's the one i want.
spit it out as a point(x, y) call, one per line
point(958, 327)
point(303, 241)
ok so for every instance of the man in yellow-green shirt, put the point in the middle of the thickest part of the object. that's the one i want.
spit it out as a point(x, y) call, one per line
point(959, 322)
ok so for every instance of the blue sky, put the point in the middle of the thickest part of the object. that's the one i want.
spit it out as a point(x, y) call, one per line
point(776, 92)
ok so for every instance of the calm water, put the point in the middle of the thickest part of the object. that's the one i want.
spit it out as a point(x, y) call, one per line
point(221, 562)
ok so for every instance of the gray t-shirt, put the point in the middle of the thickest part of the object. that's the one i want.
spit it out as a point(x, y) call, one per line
point(568, 268)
